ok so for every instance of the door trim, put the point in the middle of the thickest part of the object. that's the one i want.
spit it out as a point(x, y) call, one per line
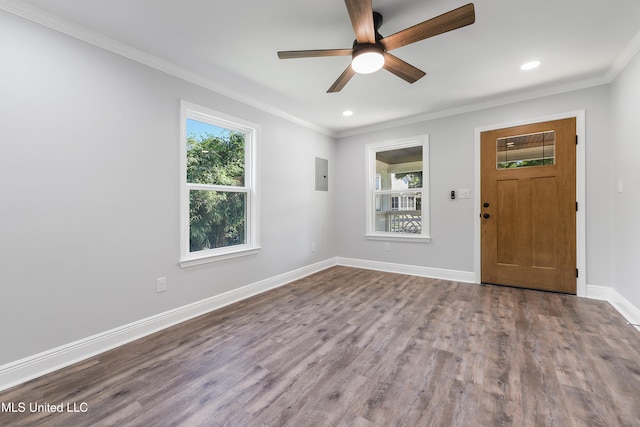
point(579, 115)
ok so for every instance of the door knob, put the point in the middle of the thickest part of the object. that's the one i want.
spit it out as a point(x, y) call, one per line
point(485, 204)
point(486, 215)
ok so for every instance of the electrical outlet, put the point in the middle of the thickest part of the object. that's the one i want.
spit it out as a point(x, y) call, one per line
point(161, 284)
point(463, 193)
point(313, 247)
point(387, 246)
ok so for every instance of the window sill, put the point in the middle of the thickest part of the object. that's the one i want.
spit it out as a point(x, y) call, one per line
point(209, 257)
point(394, 237)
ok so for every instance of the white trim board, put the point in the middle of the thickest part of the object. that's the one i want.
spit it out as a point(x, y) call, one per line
point(86, 35)
point(630, 312)
point(56, 23)
point(620, 303)
point(22, 370)
point(412, 270)
point(34, 366)
point(31, 367)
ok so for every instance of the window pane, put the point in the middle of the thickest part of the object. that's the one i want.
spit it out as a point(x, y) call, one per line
point(216, 219)
point(399, 169)
point(400, 155)
point(535, 149)
point(398, 212)
point(405, 180)
point(214, 155)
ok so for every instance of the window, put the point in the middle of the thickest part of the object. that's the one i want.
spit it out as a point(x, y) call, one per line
point(397, 190)
point(218, 186)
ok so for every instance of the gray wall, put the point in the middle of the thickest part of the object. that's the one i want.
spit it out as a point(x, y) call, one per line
point(89, 192)
point(452, 167)
point(625, 167)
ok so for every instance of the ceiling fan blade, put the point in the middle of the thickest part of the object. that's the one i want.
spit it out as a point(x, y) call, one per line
point(342, 80)
point(397, 66)
point(290, 54)
point(451, 20)
point(361, 15)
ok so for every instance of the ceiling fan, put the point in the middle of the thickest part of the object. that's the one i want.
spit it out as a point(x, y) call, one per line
point(370, 50)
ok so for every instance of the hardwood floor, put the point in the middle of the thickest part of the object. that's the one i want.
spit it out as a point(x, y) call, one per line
point(350, 347)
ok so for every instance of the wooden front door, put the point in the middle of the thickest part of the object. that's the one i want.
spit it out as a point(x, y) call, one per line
point(528, 206)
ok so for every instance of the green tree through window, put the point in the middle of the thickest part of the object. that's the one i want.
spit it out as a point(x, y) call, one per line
point(413, 179)
point(217, 215)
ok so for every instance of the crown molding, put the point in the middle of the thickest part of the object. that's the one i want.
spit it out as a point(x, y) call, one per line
point(79, 32)
point(56, 23)
point(492, 103)
point(628, 53)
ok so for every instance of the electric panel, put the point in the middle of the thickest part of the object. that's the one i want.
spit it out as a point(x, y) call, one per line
point(322, 174)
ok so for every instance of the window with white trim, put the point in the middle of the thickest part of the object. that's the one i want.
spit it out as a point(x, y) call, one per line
point(398, 190)
point(218, 199)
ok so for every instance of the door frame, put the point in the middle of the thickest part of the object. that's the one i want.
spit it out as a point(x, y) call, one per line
point(579, 115)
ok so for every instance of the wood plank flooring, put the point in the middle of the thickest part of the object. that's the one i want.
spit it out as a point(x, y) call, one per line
point(351, 347)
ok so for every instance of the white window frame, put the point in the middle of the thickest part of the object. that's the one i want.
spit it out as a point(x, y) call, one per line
point(371, 151)
point(252, 245)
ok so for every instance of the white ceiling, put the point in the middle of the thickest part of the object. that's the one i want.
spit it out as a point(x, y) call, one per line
point(231, 46)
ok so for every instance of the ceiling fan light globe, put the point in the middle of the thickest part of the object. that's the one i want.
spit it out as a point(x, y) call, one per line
point(367, 61)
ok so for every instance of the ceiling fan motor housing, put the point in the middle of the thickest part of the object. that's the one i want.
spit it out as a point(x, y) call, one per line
point(359, 48)
point(377, 21)
point(367, 58)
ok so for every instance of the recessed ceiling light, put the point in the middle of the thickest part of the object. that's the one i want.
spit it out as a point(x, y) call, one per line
point(347, 113)
point(530, 65)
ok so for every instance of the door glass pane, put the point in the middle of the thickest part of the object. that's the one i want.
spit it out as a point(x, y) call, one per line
point(534, 149)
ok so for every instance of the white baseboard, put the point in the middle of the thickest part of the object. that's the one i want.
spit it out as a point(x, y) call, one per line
point(22, 370)
point(620, 303)
point(599, 292)
point(413, 270)
point(628, 310)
